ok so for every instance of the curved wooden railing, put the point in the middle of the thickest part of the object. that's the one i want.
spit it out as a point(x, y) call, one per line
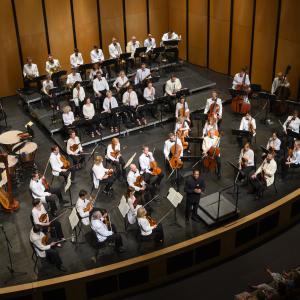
point(168, 263)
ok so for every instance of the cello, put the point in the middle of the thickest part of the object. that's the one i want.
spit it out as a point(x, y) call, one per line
point(209, 161)
point(175, 161)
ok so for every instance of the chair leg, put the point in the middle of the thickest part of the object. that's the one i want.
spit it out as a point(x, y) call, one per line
point(35, 266)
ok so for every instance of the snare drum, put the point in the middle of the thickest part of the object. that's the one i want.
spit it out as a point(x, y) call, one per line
point(12, 164)
point(27, 153)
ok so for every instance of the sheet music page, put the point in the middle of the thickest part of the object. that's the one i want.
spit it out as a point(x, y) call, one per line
point(68, 184)
point(73, 218)
point(123, 207)
point(174, 197)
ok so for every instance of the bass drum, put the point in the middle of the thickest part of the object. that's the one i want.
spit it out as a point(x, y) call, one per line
point(27, 152)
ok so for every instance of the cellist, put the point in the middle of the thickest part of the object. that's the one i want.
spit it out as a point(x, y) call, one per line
point(182, 109)
point(211, 123)
point(214, 107)
point(210, 142)
point(171, 141)
point(182, 130)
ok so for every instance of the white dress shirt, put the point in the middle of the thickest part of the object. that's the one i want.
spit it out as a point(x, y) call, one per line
point(293, 125)
point(150, 44)
point(38, 190)
point(130, 99)
point(110, 103)
point(96, 56)
point(98, 173)
point(179, 106)
point(269, 170)
point(71, 79)
point(93, 73)
point(185, 126)
point(131, 215)
point(131, 47)
point(141, 74)
point(50, 65)
point(275, 144)
point(68, 118)
point(36, 214)
point(119, 82)
point(167, 147)
point(144, 161)
point(72, 142)
point(78, 95)
point(76, 61)
point(36, 240)
point(149, 94)
point(110, 150)
point(30, 70)
point(88, 111)
point(165, 37)
point(209, 142)
point(81, 204)
point(56, 164)
point(145, 227)
point(295, 159)
point(207, 127)
point(244, 125)
point(99, 85)
point(101, 230)
point(173, 87)
point(47, 86)
point(249, 155)
point(114, 50)
point(131, 179)
point(208, 104)
point(277, 82)
point(238, 80)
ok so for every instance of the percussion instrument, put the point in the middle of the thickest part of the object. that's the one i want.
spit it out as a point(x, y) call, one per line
point(10, 138)
point(27, 152)
point(12, 164)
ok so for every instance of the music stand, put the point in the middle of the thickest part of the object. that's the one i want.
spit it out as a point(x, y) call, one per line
point(139, 51)
point(161, 101)
point(158, 50)
point(242, 133)
point(269, 98)
point(235, 93)
point(175, 198)
point(125, 56)
point(74, 222)
point(171, 43)
point(235, 186)
point(264, 150)
point(199, 117)
point(183, 92)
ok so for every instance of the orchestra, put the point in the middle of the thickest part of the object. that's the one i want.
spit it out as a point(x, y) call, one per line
point(73, 77)
point(114, 48)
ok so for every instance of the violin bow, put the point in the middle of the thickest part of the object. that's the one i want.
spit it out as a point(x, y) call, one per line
point(164, 216)
point(46, 167)
point(151, 200)
point(59, 216)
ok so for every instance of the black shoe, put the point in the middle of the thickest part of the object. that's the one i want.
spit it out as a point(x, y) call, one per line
point(62, 268)
point(195, 219)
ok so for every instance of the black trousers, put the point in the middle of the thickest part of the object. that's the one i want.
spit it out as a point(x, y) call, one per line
point(56, 230)
point(157, 234)
point(285, 168)
point(90, 125)
point(153, 179)
point(76, 159)
point(115, 237)
point(51, 201)
point(119, 165)
point(108, 181)
point(242, 140)
point(258, 185)
point(56, 192)
point(53, 257)
point(244, 173)
point(191, 206)
point(65, 174)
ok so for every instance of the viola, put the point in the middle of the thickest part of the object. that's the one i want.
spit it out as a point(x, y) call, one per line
point(154, 167)
point(45, 240)
point(45, 183)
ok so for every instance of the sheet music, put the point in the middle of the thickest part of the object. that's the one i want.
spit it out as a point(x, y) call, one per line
point(174, 197)
point(68, 184)
point(29, 124)
point(123, 207)
point(73, 218)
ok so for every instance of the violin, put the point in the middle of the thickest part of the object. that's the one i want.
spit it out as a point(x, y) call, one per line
point(139, 181)
point(151, 221)
point(66, 163)
point(155, 169)
point(251, 127)
point(43, 218)
point(115, 153)
point(90, 205)
point(74, 147)
point(175, 161)
point(45, 240)
point(45, 182)
point(109, 172)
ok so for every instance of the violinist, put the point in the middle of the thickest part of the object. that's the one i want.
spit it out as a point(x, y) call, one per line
point(60, 165)
point(152, 174)
point(214, 107)
point(74, 149)
point(115, 158)
point(105, 231)
point(292, 160)
point(48, 251)
point(45, 193)
point(102, 175)
point(194, 186)
point(182, 109)
point(292, 123)
point(248, 123)
point(149, 231)
point(40, 217)
point(209, 147)
point(135, 180)
point(246, 162)
point(210, 124)
point(274, 144)
point(264, 176)
point(133, 207)
point(83, 207)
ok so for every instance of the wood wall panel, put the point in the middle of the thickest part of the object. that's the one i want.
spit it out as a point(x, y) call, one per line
point(32, 31)
point(158, 18)
point(60, 30)
point(198, 32)
point(86, 26)
point(219, 35)
point(289, 42)
point(264, 42)
point(177, 23)
point(111, 12)
point(241, 34)
point(136, 19)
point(10, 75)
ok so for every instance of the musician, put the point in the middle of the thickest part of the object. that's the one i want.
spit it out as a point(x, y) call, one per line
point(169, 143)
point(211, 140)
point(132, 177)
point(47, 86)
point(142, 74)
point(148, 232)
point(121, 82)
point(131, 102)
point(182, 125)
point(274, 144)
point(45, 251)
point(210, 124)
point(78, 98)
point(114, 48)
point(94, 71)
point(194, 186)
point(102, 175)
point(83, 207)
point(68, 119)
point(292, 123)
point(58, 166)
point(97, 55)
point(100, 87)
point(88, 111)
point(132, 45)
point(52, 65)
point(292, 160)
point(73, 77)
point(169, 36)
point(106, 232)
point(114, 157)
point(145, 160)
point(279, 81)
point(38, 212)
point(264, 176)
point(248, 123)
point(214, 105)
point(149, 96)
point(75, 153)
point(239, 78)
point(246, 162)
point(182, 109)
point(30, 71)
point(46, 194)
point(76, 59)
point(109, 104)
point(132, 202)
point(149, 43)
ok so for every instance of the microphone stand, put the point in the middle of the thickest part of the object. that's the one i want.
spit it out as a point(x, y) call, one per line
point(13, 273)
